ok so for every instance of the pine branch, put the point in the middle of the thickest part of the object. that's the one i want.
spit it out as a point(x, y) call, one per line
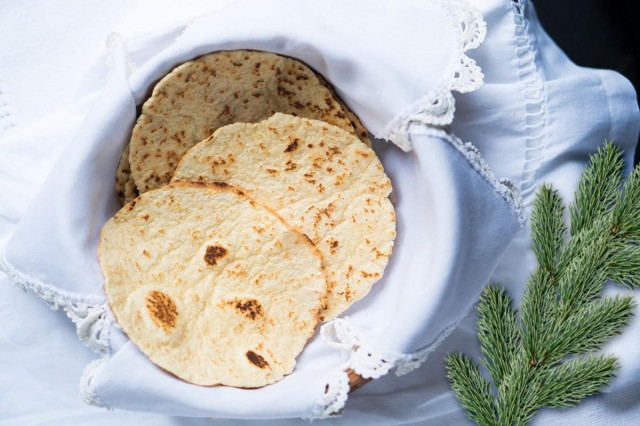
point(624, 267)
point(544, 356)
point(585, 275)
point(472, 389)
point(626, 213)
point(547, 228)
point(600, 229)
point(497, 332)
point(569, 383)
point(517, 399)
point(598, 187)
point(589, 328)
point(538, 301)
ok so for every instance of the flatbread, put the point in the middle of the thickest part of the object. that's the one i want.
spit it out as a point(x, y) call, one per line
point(125, 186)
point(210, 285)
point(361, 132)
point(217, 89)
point(321, 180)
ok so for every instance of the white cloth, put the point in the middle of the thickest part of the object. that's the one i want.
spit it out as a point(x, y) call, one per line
point(499, 129)
point(441, 260)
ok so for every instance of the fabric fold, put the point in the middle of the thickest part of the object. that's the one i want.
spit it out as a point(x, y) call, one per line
point(454, 218)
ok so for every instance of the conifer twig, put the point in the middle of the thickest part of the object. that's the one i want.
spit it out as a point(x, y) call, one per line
point(544, 356)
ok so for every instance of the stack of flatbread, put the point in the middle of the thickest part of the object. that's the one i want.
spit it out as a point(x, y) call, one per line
point(254, 207)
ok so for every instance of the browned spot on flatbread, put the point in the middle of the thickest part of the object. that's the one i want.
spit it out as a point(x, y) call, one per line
point(213, 253)
point(256, 359)
point(250, 308)
point(366, 274)
point(333, 245)
point(290, 166)
point(292, 146)
point(162, 310)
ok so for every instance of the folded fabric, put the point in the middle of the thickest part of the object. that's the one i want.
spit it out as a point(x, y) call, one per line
point(454, 218)
point(541, 116)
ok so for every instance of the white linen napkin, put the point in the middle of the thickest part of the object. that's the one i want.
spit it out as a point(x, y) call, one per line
point(454, 218)
point(35, 340)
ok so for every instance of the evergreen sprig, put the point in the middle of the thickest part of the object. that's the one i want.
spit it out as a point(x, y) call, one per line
point(543, 355)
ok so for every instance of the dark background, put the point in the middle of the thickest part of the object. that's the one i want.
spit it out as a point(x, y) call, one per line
point(596, 33)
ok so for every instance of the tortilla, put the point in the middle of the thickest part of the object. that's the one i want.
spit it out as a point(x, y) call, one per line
point(125, 186)
point(217, 89)
point(361, 132)
point(210, 285)
point(321, 180)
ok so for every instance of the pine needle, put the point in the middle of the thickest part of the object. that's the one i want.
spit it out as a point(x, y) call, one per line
point(589, 328)
point(626, 213)
point(570, 382)
point(497, 332)
point(598, 187)
point(544, 357)
point(472, 389)
point(624, 267)
point(536, 308)
point(547, 228)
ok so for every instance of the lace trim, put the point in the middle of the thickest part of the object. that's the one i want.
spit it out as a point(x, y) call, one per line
point(437, 107)
point(365, 361)
point(332, 400)
point(90, 314)
point(87, 388)
point(534, 98)
point(507, 189)
point(414, 360)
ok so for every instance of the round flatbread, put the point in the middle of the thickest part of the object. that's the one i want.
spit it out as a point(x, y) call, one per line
point(210, 285)
point(321, 180)
point(125, 186)
point(217, 89)
point(361, 132)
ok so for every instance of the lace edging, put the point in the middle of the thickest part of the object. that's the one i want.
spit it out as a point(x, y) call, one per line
point(437, 106)
point(364, 360)
point(503, 186)
point(90, 314)
point(87, 388)
point(415, 359)
point(332, 400)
